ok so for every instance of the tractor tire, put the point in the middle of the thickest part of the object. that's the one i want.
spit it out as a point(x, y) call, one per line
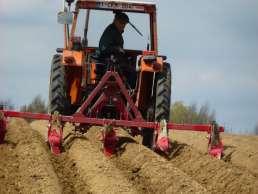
point(58, 100)
point(163, 94)
point(161, 104)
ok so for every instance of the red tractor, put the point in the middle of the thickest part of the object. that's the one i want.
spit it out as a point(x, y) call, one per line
point(84, 98)
point(73, 72)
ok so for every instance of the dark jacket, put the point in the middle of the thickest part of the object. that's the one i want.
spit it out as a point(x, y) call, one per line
point(110, 40)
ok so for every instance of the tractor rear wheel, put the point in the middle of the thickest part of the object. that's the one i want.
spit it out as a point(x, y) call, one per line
point(58, 100)
point(160, 108)
point(163, 93)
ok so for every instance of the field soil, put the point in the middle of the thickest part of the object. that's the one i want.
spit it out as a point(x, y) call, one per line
point(27, 166)
point(239, 150)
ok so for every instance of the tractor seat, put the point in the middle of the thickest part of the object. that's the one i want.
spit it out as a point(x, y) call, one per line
point(99, 62)
point(96, 57)
point(101, 66)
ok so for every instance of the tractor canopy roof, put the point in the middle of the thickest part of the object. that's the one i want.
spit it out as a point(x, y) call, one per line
point(116, 5)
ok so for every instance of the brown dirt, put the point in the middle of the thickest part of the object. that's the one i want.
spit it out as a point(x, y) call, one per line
point(240, 150)
point(146, 173)
point(26, 165)
point(235, 173)
point(149, 172)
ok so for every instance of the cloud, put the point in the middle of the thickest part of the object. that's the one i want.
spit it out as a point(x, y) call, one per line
point(28, 12)
point(17, 7)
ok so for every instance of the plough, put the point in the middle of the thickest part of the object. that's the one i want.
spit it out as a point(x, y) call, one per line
point(161, 141)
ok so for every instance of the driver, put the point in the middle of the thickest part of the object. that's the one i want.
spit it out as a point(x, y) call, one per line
point(111, 41)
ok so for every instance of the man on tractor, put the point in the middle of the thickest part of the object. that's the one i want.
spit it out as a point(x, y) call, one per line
point(112, 43)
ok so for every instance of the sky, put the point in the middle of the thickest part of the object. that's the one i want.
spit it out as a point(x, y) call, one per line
point(212, 46)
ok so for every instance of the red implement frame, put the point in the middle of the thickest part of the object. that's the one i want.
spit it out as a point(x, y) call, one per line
point(129, 116)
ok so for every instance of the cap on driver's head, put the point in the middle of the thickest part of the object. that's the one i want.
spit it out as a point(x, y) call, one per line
point(122, 16)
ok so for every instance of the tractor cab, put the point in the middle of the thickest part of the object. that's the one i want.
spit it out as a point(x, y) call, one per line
point(89, 19)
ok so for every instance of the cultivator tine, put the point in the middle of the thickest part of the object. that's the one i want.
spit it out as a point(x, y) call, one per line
point(55, 133)
point(109, 139)
point(215, 145)
point(2, 127)
point(162, 143)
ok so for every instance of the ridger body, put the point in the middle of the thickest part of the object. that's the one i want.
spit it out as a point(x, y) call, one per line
point(77, 94)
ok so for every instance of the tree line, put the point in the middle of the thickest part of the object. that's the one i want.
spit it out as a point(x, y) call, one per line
point(6, 104)
point(37, 105)
point(181, 113)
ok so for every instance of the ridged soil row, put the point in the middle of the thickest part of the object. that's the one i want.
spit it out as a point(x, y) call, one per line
point(92, 168)
point(28, 168)
point(147, 171)
point(216, 175)
point(239, 150)
point(31, 168)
